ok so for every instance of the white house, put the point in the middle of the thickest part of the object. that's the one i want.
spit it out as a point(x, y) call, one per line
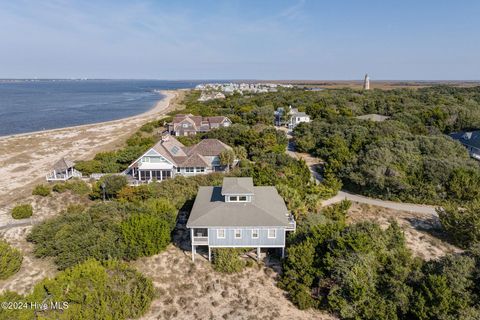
point(169, 157)
point(295, 117)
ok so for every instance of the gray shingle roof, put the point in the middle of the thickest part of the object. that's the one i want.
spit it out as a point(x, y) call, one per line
point(63, 164)
point(267, 209)
point(468, 138)
point(237, 186)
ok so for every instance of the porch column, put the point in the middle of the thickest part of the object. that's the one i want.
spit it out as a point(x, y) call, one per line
point(209, 254)
point(258, 254)
point(193, 247)
point(283, 252)
point(161, 175)
point(150, 175)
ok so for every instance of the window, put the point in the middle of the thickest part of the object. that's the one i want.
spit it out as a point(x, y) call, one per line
point(242, 198)
point(175, 149)
point(255, 234)
point(238, 234)
point(189, 169)
point(178, 169)
point(221, 233)
point(200, 169)
point(233, 198)
point(185, 125)
point(272, 233)
point(146, 159)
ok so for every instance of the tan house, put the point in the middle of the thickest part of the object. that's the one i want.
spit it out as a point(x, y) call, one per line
point(169, 157)
point(188, 124)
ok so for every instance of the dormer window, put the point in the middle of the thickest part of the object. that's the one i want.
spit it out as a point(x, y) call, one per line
point(238, 198)
point(237, 189)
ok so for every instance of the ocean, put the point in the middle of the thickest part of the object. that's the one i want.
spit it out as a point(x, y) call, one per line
point(34, 105)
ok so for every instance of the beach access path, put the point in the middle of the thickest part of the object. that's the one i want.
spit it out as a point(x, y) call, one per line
point(25, 159)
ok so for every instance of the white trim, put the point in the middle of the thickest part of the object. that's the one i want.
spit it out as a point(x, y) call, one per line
point(275, 233)
point(218, 233)
point(240, 227)
point(151, 149)
point(257, 233)
point(247, 246)
point(235, 233)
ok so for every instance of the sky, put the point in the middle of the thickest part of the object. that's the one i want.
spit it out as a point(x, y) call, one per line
point(241, 39)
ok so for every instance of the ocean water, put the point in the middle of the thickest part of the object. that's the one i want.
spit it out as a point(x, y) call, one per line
point(34, 105)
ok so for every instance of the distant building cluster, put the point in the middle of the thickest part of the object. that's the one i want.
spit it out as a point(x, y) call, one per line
point(220, 90)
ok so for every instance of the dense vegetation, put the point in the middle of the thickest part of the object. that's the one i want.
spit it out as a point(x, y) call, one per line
point(22, 211)
point(10, 260)
point(357, 271)
point(105, 231)
point(360, 271)
point(92, 290)
point(408, 157)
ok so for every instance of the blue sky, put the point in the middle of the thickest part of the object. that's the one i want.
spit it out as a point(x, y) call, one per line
point(402, 39)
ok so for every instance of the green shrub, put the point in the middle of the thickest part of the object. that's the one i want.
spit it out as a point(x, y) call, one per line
point(461, 224)
point(60, 187)
point(22, 211)
point(41, 190)
point(93, 290)
point(145, 235)
point(10, 260)
point(75, 185)
point(113, 184)
point(104, 231)
point(88, 167)
point(75, 236)
point(227, 260)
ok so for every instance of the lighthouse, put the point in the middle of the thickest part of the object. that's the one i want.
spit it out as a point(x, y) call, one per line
point(366, 83)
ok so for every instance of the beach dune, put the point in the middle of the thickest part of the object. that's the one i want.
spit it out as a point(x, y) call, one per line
point(25, 159)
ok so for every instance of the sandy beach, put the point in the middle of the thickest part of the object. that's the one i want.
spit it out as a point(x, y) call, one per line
point(25, 159)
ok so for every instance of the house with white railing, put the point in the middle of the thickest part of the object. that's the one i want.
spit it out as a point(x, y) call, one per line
point(63, 170)
point(239, 215)
point(169, 158)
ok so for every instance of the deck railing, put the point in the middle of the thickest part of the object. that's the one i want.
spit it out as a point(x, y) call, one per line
point(200, 239)
point(292, 223)
point(63, 176)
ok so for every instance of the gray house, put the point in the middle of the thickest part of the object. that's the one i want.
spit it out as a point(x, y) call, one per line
point(237, 214)
point(471, 140)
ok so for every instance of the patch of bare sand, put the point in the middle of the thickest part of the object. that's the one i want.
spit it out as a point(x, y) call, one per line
point(187, 290)
point(32, 270)
point(25, 159)
point(421, 230)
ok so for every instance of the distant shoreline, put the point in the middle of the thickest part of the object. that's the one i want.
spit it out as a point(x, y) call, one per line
point(158, 106)
point(26, 158)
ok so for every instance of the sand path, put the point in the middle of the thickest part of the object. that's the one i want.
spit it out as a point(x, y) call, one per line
point(25, 159)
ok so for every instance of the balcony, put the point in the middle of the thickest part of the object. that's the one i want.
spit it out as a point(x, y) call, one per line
point(200, 240)
point(200, 236)
point(292, 223)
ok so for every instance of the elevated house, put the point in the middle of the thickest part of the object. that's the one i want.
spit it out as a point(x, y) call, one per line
point(296, 117)
point(63, 170)
point(188, 124)
point(238, 214)
point(290, 118)
point(471, 140)
point(169, 157)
